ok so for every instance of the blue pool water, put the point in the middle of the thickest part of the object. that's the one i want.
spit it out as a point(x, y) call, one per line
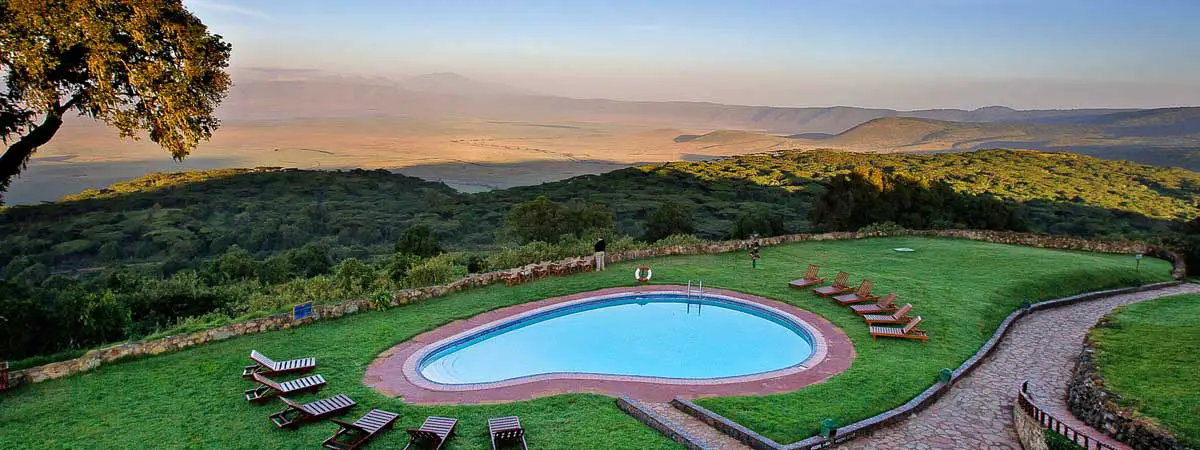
point(657, 335)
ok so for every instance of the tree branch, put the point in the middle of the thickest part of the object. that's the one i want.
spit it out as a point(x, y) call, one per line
point(75, 99)
point(14, 160)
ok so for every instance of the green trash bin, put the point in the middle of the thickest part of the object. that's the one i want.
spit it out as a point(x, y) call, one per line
point(828, 428)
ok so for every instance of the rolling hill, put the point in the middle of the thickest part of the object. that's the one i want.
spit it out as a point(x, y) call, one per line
point(1169, 136)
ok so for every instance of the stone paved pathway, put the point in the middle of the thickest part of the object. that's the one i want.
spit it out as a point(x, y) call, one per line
point(977, 412)
point(708, 436)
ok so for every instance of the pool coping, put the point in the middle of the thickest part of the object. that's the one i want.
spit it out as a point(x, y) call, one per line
point(394, 372)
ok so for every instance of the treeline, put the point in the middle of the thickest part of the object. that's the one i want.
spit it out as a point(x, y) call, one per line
point(184, 251)
point(867, 196)
point(180, 219)
point(44, 314)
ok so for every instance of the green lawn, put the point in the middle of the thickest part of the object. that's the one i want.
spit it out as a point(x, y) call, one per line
point(1147, 354)
point(192, 398)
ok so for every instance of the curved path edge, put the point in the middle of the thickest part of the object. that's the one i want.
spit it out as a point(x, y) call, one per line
point(897, 428)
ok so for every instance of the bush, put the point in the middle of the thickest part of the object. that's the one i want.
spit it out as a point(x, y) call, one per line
point(1055, 441)
point(438, 270)
point(536, 252)
point(679, 239)
point(353, 277)
point(882, 227)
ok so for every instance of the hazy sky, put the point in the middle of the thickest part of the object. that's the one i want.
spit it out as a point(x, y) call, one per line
point(884, 53)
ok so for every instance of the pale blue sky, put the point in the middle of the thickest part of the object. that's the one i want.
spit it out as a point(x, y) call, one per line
point(883, 53)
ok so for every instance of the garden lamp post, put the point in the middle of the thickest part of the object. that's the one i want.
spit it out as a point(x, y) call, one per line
point(1138, 266)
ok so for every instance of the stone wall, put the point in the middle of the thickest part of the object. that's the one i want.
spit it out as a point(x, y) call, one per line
point(94, 358)
point(1029, 432)
point(653, 420)
point(1092, 403)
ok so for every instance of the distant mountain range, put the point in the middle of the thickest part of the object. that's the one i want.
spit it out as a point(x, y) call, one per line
point(292, 94)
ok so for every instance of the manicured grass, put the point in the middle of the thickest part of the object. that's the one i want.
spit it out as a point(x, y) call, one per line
point(192, 398)
point(1147, 354)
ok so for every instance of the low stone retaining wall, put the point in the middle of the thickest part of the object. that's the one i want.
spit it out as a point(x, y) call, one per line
point(1030, 433)
point(913, 406)
point(1090, 402)
point(653, 420)
point(94, 358)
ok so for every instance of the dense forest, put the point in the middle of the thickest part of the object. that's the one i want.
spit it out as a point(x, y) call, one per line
point(185, 250)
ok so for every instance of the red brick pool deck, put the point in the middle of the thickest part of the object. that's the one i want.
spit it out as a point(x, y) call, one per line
point(389, 375)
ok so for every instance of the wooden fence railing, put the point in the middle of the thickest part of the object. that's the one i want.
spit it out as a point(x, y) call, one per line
point(1052, 423)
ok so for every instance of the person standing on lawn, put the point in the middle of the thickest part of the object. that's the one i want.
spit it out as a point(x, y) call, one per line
point(599, 247)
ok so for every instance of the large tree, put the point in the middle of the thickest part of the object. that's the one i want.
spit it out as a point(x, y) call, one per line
point(139, 65)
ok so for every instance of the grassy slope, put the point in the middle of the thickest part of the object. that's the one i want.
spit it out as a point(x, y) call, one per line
point(192, 398)
point(1147, 354)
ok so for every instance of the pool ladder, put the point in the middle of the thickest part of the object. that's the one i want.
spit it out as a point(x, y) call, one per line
point(699, 293)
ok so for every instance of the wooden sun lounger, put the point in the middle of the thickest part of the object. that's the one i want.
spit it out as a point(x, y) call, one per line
point(909, 331)
point(296, 414)
point(899, 316)
point(433, 433)
point(810, 278)
point(506, 430)
point(839, 286)
point(354, 435)
point(861, 295)
point(271, 389)
point(266, 366)
point(885, 306)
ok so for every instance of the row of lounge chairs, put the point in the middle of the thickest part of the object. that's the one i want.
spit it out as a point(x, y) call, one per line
point(883, 311)
point(432, 434)
point(540, 271)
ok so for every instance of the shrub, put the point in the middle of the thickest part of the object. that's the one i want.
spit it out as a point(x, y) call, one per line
point(440, 269)
point(679, 239)
point(353, 277)
point(882, 227)
point(1055, 441)
point(536, 252)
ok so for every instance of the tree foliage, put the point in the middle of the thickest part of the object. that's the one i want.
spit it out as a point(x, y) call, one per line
point(868, 196)
point(544, 220)
point(670, 218)
point(140, 66)
point(760, 222)
point(419, 240)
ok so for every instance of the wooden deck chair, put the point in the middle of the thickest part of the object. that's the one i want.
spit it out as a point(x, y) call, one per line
point(899, 316)
point(296, 414)
point(810, 278)
point(511, 278)
point(885, 306)
point(860, 295)
point(839, 286)
point(507, 430)
point(266, 366)
point(433, 433)
point(909, 331)
point(354, 435)
point(271, 389)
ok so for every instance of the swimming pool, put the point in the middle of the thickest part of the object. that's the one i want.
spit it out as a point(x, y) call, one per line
point(662, 335)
